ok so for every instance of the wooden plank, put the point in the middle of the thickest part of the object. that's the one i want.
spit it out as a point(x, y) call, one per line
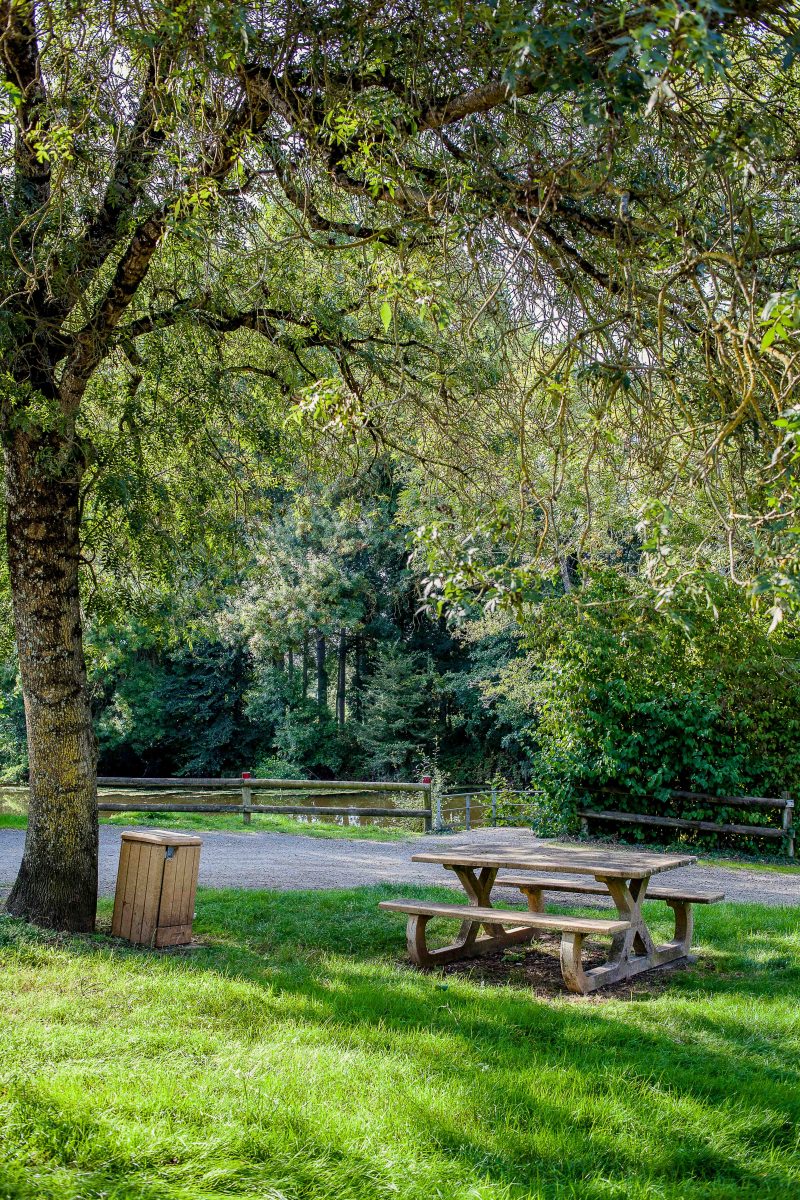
point(570, 860)
point(681, 823)
point(287, 809)
point(705, 798)
point(501, 916)
point(127, 797)
point(182, 877)
point(307, 810)
point(190, 887)
point(151, 896)
point(161, 837)
point(178, 897)
point(278, 785)
point(548, 883)
point(130, 890)
point(158, 806)
point(173, 935)
point(168, 913)
point(119, 890)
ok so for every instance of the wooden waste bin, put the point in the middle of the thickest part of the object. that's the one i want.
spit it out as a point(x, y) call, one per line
point(156, 884)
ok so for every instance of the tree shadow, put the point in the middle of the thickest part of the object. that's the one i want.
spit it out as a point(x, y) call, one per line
point(637, 1088)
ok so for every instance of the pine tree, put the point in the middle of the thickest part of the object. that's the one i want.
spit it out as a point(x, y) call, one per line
point(398, 710)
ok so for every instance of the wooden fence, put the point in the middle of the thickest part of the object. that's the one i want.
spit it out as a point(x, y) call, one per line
point(783, 805)
point(480, 804)
point(112, 789)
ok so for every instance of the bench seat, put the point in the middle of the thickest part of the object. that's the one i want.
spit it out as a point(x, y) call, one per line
point(502, 916)
point(550, 883)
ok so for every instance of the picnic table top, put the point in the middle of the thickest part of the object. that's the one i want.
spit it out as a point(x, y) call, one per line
point(572, 860)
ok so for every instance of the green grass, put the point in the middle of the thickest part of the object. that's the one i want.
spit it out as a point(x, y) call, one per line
point(232, 823)
point(751, 864)
point(295, 1055)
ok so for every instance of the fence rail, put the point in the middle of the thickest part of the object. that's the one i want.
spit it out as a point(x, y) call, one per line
point(179, 783)
point(485, 797)
point(784, 804)
point(161, 791)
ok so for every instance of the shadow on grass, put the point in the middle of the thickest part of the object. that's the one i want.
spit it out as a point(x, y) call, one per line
point(692, 1084)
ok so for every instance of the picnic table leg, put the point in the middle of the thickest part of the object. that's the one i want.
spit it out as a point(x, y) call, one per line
point(467, 944)
point(478, 888)
point(632, 951)
point(684, 926)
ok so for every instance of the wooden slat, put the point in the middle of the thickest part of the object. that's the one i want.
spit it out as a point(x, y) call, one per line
point(168, 913)
point(151, 895)
point(681, 823)
point(570, 860)
point(161, 837)
point(130, 890)
point(308, 810)
point(173, 935)
point(704, 798)
point(119, 891)
point(278, 785)
point(286, 809)
point(500, 916)
point(159, 806)
point(548, 883)
point(190, 884)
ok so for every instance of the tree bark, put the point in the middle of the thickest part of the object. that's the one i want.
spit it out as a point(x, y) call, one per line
point(305, 664)
point(357, 684)
point(341, 677)
point(57, 881)
point(322, 673)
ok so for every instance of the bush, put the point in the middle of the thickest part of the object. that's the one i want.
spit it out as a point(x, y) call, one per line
point(614, 691)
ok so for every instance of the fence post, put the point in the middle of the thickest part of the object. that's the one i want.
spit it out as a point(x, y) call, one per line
point(467, 807)
point(788, 825)
point(494, 807)
point(437, 807)
point(427, 798)
point(247, 798)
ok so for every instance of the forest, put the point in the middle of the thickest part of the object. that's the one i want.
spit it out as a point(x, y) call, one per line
point(399, 574)
point(397, 389)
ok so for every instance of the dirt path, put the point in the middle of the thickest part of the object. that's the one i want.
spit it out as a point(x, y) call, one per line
point(290, 861)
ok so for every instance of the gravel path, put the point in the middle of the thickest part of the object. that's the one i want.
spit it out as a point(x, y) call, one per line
point(287, 861)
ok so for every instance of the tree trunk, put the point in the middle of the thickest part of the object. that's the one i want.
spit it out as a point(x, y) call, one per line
point(357, 684)
point(305, 665)
point(57, 881)
point(322, 673)
point(341, 677)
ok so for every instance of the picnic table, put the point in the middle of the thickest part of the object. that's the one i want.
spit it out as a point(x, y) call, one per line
point(620, 875)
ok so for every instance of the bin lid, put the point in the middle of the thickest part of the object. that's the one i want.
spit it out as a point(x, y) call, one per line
point(161, 837)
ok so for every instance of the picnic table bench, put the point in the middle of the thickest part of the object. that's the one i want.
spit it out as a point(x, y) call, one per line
point(622, 876)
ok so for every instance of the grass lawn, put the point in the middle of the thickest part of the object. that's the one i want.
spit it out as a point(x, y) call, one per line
point(751, 864)
point(232, 823)
point(295, 1056)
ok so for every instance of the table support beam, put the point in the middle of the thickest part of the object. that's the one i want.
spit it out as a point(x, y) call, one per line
point(631, 952)
point(468, 943)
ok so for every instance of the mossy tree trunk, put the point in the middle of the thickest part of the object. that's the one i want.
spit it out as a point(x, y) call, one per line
point(57, 882)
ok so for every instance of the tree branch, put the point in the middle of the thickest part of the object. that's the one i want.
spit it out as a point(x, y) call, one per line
point(19, 53)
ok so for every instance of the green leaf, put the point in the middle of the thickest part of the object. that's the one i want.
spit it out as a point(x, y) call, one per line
point(386, 315)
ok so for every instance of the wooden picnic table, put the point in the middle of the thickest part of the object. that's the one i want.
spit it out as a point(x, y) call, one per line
point(621, 875)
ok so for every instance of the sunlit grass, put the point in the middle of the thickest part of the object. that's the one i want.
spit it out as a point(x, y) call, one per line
point(262, 823)
point(750, 864)
point(296, 1055)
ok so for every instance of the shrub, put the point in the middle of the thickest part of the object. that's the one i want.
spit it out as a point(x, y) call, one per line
point(615, 691)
